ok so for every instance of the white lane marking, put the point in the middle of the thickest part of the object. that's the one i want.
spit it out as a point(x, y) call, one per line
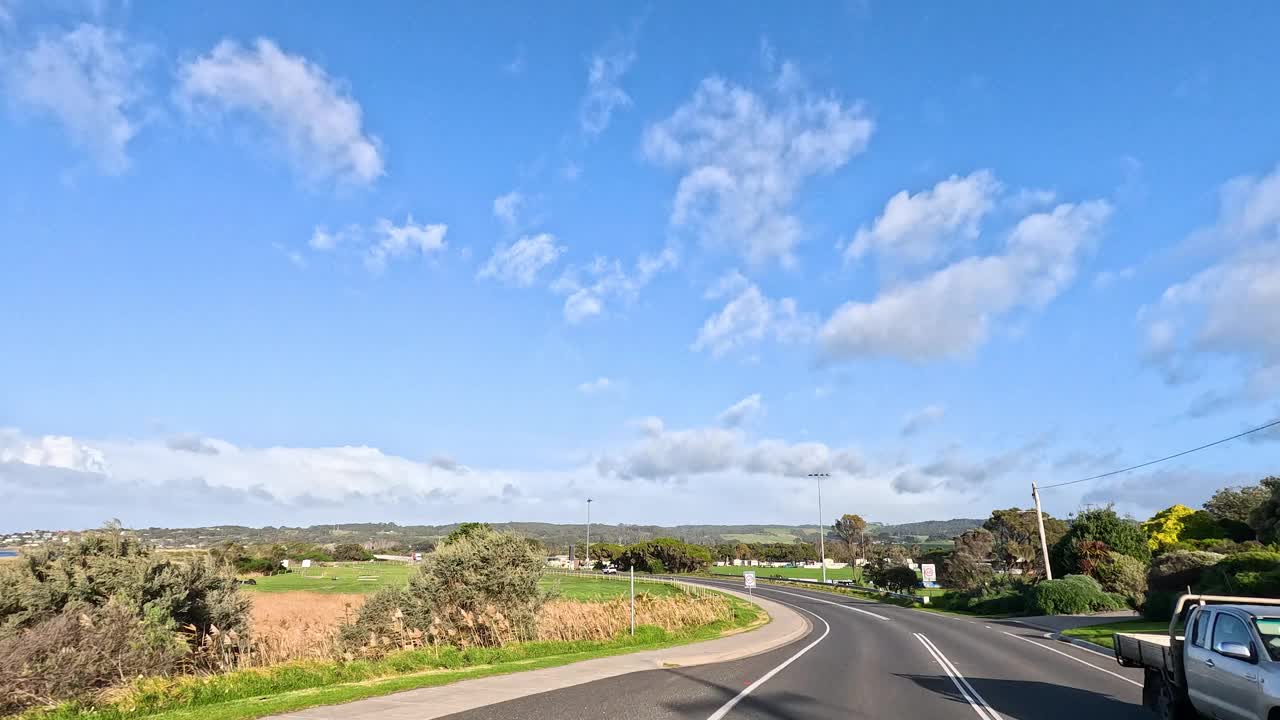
point(1073, 657)
point(724, 709)
point(976, 701)
point(839, 605)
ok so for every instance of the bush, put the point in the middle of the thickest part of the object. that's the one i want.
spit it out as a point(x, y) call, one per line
point(1101, 525)
point(1124, 576)
point(899, 579)
point(1247, 573)
point(480, 589)
point(1176, 571)
point(351, 552)
point(75, 655)
point(1072, 595)
point(113, 567)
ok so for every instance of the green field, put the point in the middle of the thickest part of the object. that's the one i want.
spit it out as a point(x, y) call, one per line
point(844, 573)
point(369, 577)
point(1102, 634)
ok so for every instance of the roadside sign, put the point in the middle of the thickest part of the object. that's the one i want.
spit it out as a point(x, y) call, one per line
point(417, 557)
point(929, 573)
point(306, 563)
point(749, 579)
point(284, 563)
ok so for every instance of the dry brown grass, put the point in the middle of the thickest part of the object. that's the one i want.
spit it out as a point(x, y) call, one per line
point(568, 620)
point(297, 625)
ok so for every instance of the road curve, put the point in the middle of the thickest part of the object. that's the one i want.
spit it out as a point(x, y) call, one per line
point(863, 660)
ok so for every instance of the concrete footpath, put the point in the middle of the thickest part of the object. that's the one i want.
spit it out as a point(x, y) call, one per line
point(786, 625)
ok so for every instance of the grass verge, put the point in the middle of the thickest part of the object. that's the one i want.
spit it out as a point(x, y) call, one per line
point(246, 694)
point(1102, 634)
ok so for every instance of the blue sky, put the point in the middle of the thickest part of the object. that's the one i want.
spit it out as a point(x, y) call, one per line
point(276, 264)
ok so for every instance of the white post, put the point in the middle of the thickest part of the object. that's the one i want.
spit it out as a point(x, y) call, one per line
point(589, 566)
point(822, 535)
point(1044, 547)
point(633, 600)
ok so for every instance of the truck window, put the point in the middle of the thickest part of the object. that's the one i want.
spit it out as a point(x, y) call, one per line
point(1200, 628)
point(1269, 629)
point(1228, 628)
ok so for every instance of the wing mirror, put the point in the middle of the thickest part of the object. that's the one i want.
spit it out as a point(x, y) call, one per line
point(1235, 650)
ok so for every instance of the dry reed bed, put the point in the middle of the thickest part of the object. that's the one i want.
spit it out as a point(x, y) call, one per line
point(568, 620)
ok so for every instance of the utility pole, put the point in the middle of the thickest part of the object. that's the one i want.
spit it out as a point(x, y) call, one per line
point(588, 534)
point(822, 530)
point(1044, 547)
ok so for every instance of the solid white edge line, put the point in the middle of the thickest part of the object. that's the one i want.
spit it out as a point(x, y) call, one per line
point(1073, 657)
point(724, 709)
point(947, 669)
point(839, 605)
point(959, 676)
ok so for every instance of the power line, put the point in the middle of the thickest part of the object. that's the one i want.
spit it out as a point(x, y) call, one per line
point(1273, 423)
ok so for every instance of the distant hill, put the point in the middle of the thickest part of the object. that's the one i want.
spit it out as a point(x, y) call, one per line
point(555, 537)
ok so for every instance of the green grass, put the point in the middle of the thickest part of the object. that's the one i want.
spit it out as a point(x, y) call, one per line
point(588, 589)
point(345, 578)
point(844, 573)
point(247, 694)
point(1102, 634)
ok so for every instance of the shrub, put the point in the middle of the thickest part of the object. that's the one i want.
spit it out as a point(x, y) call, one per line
point(75, 655)
point(1105, 526)
point(1072, 595)
point(1124, 576)
point(1246, 573)
point(1176, 571)
point(480, 589)
point(899, 579)
point(351, 552)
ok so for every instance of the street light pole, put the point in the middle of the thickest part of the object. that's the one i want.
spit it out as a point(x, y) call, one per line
point(822, 532)
point(588, 534)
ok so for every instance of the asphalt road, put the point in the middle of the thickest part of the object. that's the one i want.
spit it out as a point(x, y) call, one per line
point(864, 660)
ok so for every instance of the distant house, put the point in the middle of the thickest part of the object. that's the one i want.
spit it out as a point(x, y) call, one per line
point(559, 561)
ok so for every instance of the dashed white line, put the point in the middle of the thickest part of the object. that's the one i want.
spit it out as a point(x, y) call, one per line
point(724, 709)
point(975, 700)
point(1073, 657)
point(839, 605)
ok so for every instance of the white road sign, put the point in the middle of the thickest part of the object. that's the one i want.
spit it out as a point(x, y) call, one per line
point(929, 573)
point(749, 579)
point(284, 563)
point(306, 563)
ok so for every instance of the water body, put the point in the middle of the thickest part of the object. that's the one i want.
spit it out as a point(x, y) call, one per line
point(8, 553)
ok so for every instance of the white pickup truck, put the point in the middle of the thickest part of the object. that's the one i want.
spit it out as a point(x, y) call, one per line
point(1225, 666)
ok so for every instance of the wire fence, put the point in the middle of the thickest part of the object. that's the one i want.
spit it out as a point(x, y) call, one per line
point(641, 579)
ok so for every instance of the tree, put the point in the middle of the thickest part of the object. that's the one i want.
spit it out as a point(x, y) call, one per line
point(351, 552)
point(976, 543)
point(960, 571)
point(665, 555)
point(466, 530)
point(1165, 528)
point(1017, 539)
point(1265, 518)
point(852, 530)
point(898, 579)
point(1102, 525)
point(1235, 503)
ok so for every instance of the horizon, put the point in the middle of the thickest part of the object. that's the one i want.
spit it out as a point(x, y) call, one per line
point(416, 265)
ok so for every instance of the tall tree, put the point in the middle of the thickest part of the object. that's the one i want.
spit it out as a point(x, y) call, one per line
point(1235, 503)
point(1265, 518)
point(1103, 525)
point(851, 529)
point(1017, 540)
point(977, 543)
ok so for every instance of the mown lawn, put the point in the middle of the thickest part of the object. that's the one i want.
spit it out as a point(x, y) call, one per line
point(1102, 634)
point(844, 573)
point(369, 577)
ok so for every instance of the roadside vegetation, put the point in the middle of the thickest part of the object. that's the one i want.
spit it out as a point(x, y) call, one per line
point(106, 628)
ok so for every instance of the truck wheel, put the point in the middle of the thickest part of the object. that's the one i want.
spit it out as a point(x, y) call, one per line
point(1171, 707)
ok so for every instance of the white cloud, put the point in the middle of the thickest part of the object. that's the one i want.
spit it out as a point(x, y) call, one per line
point(383, 241)
point(745, 410)
point(1107, 278)
point(921, 419)
point(950, 312)
point(520, 262)
point(596, 387)
point(588, 288)
point(1232, 308)
point(679, 454)
point(743, 158)
point(319, 123)
point(604, 90)
point(916, 229)
point(749, 318)
point(88, 79)
point(953, 470)
point(507, 208)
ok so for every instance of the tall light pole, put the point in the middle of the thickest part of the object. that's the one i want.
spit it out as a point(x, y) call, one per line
point(589, 534)
point(822, 529)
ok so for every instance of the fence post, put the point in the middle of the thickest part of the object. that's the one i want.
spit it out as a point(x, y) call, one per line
point(633, 601)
